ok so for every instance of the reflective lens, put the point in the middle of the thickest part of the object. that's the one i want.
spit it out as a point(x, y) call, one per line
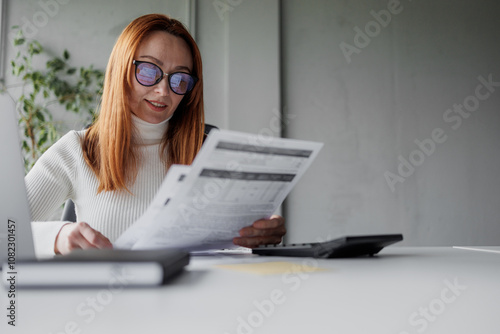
point(181, 82)
point(149, 74)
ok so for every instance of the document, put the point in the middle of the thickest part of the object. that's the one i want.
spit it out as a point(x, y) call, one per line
point(236, 179)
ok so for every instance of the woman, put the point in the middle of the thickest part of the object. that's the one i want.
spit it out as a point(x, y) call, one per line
point(148, 120)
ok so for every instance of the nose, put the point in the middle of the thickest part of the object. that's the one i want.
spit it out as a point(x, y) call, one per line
point(162, 87)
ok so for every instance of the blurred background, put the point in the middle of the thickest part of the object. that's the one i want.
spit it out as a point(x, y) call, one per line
point(404, 94)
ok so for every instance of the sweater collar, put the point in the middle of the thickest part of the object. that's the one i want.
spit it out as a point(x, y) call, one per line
point(149, 133)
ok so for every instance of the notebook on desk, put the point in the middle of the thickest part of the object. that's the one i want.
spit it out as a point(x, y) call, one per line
point(21, 268)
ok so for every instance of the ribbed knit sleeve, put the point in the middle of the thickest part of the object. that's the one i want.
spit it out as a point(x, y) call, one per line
point(49, 183)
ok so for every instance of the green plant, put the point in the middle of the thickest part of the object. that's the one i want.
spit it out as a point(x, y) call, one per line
point(77, 90)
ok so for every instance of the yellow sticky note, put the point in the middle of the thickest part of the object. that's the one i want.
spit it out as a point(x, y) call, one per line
point(271, 268)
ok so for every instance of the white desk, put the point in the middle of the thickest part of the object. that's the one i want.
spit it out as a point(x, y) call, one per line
point(403, 290)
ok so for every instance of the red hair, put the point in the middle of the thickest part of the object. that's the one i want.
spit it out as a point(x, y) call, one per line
point(107, 145)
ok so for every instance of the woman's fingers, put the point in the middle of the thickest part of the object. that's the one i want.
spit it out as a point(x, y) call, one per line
point(79, 236)
point(262, 232)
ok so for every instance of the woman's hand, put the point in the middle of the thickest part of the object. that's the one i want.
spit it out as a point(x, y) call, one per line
point(79, 235)
point(262, 232)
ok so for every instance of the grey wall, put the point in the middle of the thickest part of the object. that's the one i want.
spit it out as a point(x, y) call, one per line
point(274, 63)
point(370, 107)
point(240, 46)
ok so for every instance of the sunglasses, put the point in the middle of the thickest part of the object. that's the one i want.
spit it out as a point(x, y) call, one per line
point(149, 74)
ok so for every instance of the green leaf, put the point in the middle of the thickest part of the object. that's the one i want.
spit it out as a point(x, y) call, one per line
point(43, 138)
point(19, 41)
point(39, 116)
point(55, 64)
point(37, 47)
point(66, 55)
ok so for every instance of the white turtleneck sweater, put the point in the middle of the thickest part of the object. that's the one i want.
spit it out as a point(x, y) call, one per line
point(62, 173)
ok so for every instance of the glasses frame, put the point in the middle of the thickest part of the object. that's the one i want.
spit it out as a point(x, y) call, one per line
point(168, 75)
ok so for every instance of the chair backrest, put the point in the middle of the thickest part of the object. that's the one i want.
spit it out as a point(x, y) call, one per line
point(208, 128)
point(69, 214)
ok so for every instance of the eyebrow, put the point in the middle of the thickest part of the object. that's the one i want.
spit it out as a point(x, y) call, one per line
point(159, 62)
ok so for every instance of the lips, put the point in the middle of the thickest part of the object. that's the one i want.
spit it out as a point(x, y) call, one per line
point(155, 105)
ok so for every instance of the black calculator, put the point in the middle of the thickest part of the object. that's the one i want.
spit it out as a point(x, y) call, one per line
point(348, 246)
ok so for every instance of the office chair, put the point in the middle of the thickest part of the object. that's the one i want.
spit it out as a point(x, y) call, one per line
point(69, 214)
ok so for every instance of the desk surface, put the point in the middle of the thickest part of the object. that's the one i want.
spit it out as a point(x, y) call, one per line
point(403, 290)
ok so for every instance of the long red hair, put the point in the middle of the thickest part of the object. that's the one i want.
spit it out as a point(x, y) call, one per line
point(107, 145)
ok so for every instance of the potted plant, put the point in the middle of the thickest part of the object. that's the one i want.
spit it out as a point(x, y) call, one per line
point(42, 90)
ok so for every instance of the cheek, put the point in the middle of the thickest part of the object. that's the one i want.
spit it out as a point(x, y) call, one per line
point(132, 101)
point(135, 96)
